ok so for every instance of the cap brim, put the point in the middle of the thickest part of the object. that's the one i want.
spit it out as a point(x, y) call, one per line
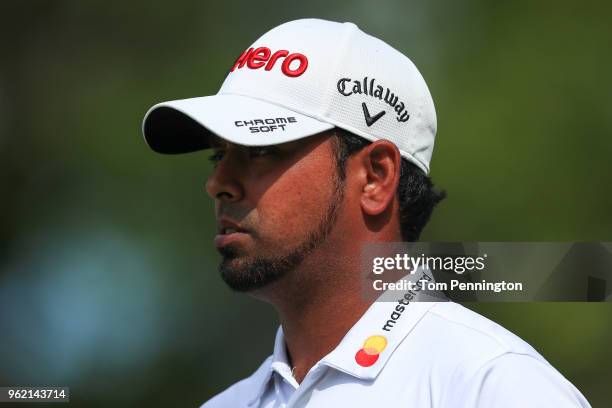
point(185, 125)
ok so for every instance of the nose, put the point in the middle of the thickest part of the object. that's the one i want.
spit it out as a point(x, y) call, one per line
point(224, 182)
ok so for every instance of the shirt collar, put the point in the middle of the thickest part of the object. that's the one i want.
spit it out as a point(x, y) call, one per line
point(259, 380)
point(369, 344)
point(366, 348)
point(278, 362)
point(280, 349)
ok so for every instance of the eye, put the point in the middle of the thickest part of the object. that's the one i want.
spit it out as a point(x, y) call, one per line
point(216, 157)
point(259, 151)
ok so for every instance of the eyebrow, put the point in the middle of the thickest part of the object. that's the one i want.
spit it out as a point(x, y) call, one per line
point(215, 141)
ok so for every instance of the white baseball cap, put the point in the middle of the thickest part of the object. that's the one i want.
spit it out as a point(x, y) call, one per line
point(302, 78)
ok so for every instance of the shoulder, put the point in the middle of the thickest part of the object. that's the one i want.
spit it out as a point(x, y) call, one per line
point(242, 392)
point(450, 341)
point(519, 380)
point(487, 365)
point(468, 330)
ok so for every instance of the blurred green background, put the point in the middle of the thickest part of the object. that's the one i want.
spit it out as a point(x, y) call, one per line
point(108, 280)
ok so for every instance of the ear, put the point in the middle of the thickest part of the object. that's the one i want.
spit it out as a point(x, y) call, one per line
point(381, 162)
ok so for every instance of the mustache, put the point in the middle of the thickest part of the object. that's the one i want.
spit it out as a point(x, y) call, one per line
point(233, 213)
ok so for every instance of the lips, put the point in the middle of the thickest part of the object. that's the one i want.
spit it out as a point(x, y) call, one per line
point(228, 232)
point(227, 226)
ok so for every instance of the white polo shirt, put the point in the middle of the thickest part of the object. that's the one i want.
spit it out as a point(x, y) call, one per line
point(434, 355)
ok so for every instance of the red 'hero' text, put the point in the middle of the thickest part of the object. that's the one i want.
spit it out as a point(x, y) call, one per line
point(293, 65)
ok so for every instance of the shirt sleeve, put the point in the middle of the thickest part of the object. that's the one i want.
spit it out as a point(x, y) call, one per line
point(519, 380)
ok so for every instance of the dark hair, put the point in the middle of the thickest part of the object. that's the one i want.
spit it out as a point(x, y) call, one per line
point(416, 193)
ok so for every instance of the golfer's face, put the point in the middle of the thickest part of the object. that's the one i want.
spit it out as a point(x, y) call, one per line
point(267, 198)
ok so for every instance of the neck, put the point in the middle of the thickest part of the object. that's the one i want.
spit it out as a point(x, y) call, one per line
point(318, 303)
point(322, 299)
point(314, 330)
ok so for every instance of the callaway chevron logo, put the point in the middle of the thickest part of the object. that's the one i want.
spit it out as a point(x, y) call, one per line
point(368, 86)
point(370, 120)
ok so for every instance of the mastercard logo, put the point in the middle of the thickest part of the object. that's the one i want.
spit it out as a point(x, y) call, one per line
point(372, 347)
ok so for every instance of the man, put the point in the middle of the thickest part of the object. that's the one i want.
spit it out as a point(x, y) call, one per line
point(322, 137)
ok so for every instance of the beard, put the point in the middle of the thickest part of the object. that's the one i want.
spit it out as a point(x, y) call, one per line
point(258, 272)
